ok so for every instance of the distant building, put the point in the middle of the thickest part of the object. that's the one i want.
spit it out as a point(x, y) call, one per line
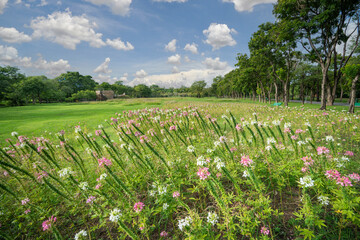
point(103, 95)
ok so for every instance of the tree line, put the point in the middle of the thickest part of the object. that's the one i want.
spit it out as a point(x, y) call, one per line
point(312, 49)
point(17, 89)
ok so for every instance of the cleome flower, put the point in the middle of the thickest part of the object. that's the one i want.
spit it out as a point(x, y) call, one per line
point(246, 161)
point(306, 182)
point(184, 223)
point(212, 218)
point(138, 207)
point(115, 215)
point(80, 234)
point(203, 173)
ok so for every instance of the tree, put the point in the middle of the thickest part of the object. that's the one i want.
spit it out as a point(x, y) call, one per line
point(198, 87)
point(320, 25)
point(142, 90)
point(9, 76)
point(352, 74)
point(72, 82)
point(33, 87)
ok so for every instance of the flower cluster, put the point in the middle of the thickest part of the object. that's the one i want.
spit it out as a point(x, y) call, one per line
point(80, 234)
point(306, 182)
point(104, 161)
point(203, 173)
point(184, 223)
point(322, 150)
point(138, 207)
point(46, 225)
point(212, 218)
point(115, 215)
point(246, 161)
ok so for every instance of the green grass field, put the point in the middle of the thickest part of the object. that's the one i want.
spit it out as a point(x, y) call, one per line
point(34, 120)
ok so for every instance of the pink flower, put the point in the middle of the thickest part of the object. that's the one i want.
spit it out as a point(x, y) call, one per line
point(349, 153)
point(246, 161)
point(25, 201)
point(6, 173)
point(163, 234)
point(294, 137)
point(287, 130)
point(176, 194)
point(265, 230)
point(27, 211)
point(138, 207)
point(332, 174)
point(299, 131)
point(97, 132)
point(105, 161)
point(343, 181)
point(141, 228)
point(322, 150)
point(304, 169)
point(238, 127)
point(47, 223)
point(325, 114)
point(172, 128)
point(218, 175)
point(203, 173)
point(98, 186)
point(308, 161)
point(355, 177)
point(90, 200)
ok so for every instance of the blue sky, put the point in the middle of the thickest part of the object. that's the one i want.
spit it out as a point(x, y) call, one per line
point(166, 42)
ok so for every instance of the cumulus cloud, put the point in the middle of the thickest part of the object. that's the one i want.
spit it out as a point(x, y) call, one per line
point(2, 5)
point(119, 45)
point(246, 5)
point(43, 3)
point(118, 7)
point(104, 67)
point(187, 59)
point(175, 59)
point(169, 1)
point(215, 64)
point(191, 48)
point(171, 46)
point(140, 74)
point(219, 35)
point(12, 35)
point(185, 78)
point(9, 56)
point(175, 69)
point(66, 30)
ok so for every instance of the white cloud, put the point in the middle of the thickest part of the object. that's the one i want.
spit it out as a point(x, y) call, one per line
point(119, 45)
point(43, 3)
point(169, 1)
point(246, 5)
point(2, 5)
point(175, 59)
point(191, 48)
point(17, 1)
point(185, 78)
point(219, 35)
point(175, 69)
point(124, 78)
point(104, 67)
point(187, 59)
point(119, 7)
point(140, 74)
point(215, 64)
point(66, 30)
point(12, 35)
point(171, 46)
point(9, 56)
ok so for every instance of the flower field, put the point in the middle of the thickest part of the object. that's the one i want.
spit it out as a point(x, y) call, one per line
point(198, 171)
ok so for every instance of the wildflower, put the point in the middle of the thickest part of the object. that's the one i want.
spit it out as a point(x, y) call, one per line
point(80, 234)
point(14, 134)
point(190, 148)
point(47, 223)
point(323, 200)
point(218, 175)
point(220, 165)
point(162, 190)
point(98, 186)
point(308, 161)
point(200, 161)
point(349, 153)
point(163, 234)
point(329, 138)
point(138, 207)
point(307, 124)
point(172, 128)
point(322, 150)
point(299, 131)
point(203, 173)
point(212, 218)
point(65, 172)
point(152, 193)
point(246, 173)
point(355, 177)
point(184, 223)
point(287, 125)
point(222, 139)
point(77, 129)
point(332, 174)
point(268, 147)
point(165, 206)
point(246, 161)
point(27, 211)
point(176, 194)
point(105, 161)
point(84, 186)
point(304, 169)
point(343, 181)
point(90, 200)
point(216, 143)
point(265, 230)
point(209, 150)
point(271, 140)
point(294, 137)
point(103, 176)
point(25, 201)
point(276, 123)
point(115, 215)
point(306, 182)
point(238, 127)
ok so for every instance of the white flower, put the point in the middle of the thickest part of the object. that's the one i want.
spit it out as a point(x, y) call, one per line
point(271, 140)
point(222, 139)
point(323, 200)
point(287, 125)
point(115, 215)
point(82, 233)
point(200, 161)
point(246, 173)
point(165, 206)
point(162, 190)
point(212, 218)
point(329, 138)
point(83, 186)
point(14, 134)
point(89, 135)
point(100, 126)
point(152, 193)
point(306, 182)
point(245, 123)
point(220, 165)
point(268, 147)
point(209, 150)
point(253, 122)
point(122, 145)
point(216, 143)
point(103, 176)
point(217, 159)
point(301, 143)
point(65, 172)
point(307, 124)
point(184, 223)
point(190, 148)
point(276, 123)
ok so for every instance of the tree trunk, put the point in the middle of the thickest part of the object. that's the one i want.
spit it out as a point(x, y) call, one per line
point(341, 93)
point(286, 93)
point(330, 97)
point(353, 94)
point(302, 93)
point(276, 92)
point(323, 89)
point(311, 96)
point(254, 95)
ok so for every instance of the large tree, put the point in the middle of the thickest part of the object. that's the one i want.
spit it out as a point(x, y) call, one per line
point(320, 25)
